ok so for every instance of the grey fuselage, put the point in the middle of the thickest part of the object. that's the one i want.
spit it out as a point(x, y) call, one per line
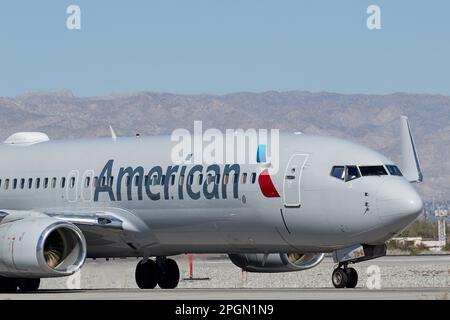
point(331, 214)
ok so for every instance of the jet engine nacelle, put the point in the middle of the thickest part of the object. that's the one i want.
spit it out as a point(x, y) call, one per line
point(40, 248)
point(276, 262)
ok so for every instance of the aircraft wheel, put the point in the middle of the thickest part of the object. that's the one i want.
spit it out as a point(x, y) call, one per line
point(339, 278)
point(8, 285)
point(352, 278)
point(169, 274)
point(146, 274)
point(29, 285)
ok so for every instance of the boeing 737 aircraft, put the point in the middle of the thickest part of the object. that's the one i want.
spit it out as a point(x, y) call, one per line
point(62, 202)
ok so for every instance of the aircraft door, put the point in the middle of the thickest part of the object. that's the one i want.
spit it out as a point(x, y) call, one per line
point(292, 180)
point(87, 186)
point(72, 186)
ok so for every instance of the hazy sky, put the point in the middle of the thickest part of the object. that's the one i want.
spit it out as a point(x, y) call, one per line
point(212, 46)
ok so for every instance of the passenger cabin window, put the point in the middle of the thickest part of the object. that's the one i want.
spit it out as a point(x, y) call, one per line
point(244, 178)
point(38, 183)
point(338, 172)
point(111, 181)
point(63, 182)
point(218, 178)
point(45, 183)
point(253, 177)
point(95, 182)
point(226, 178)
point(72, 182)
point(394, 170)
point(87, 182)
point(209, 178)
point(54, 182)
point(30, 183)
point(22, 183)
point(15, 184)
point(200, 178)
point(372, 171)
point(6, 185)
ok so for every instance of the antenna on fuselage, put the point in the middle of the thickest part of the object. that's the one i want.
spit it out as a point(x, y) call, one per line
point(113, 134)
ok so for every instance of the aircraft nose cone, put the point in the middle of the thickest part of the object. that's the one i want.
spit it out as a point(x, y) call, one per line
point(398, 202)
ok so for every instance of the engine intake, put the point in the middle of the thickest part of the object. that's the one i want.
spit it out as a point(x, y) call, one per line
point(41, 247)
point(276, 262)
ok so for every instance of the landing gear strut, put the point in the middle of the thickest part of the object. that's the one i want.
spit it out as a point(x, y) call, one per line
point(344, 277)
point(164, 272)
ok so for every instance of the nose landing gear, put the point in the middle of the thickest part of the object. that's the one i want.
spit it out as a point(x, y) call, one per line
point(344, 277)
point(164, 272)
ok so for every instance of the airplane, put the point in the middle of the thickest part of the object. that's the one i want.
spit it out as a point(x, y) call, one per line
point(65, 201)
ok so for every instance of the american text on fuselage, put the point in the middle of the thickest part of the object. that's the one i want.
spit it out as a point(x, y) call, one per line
point(157, 177)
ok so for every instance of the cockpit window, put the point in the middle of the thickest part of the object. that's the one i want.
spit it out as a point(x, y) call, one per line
point(352, 173)
point(345, 173)
point(394, 170)
point(372, 171)
point(338, 172)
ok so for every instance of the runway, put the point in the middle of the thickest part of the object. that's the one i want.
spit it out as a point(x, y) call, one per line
point(391, 277)
point(238, 294)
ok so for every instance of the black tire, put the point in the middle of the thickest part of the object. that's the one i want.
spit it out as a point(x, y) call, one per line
point(352, 278)
point(29, 285)
point(339, 278)
point(169, 275)
point(8, 285)
point(146, 275)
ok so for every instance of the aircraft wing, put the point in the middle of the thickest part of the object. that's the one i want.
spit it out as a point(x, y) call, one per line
point(410, 164)
point(92, 219)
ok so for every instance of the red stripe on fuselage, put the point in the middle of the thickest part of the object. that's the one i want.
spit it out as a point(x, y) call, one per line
point(266, 185)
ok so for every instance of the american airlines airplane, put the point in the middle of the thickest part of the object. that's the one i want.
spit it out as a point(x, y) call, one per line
point(62, 202)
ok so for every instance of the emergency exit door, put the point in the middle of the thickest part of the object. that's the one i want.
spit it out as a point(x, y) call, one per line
point(292, 180)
